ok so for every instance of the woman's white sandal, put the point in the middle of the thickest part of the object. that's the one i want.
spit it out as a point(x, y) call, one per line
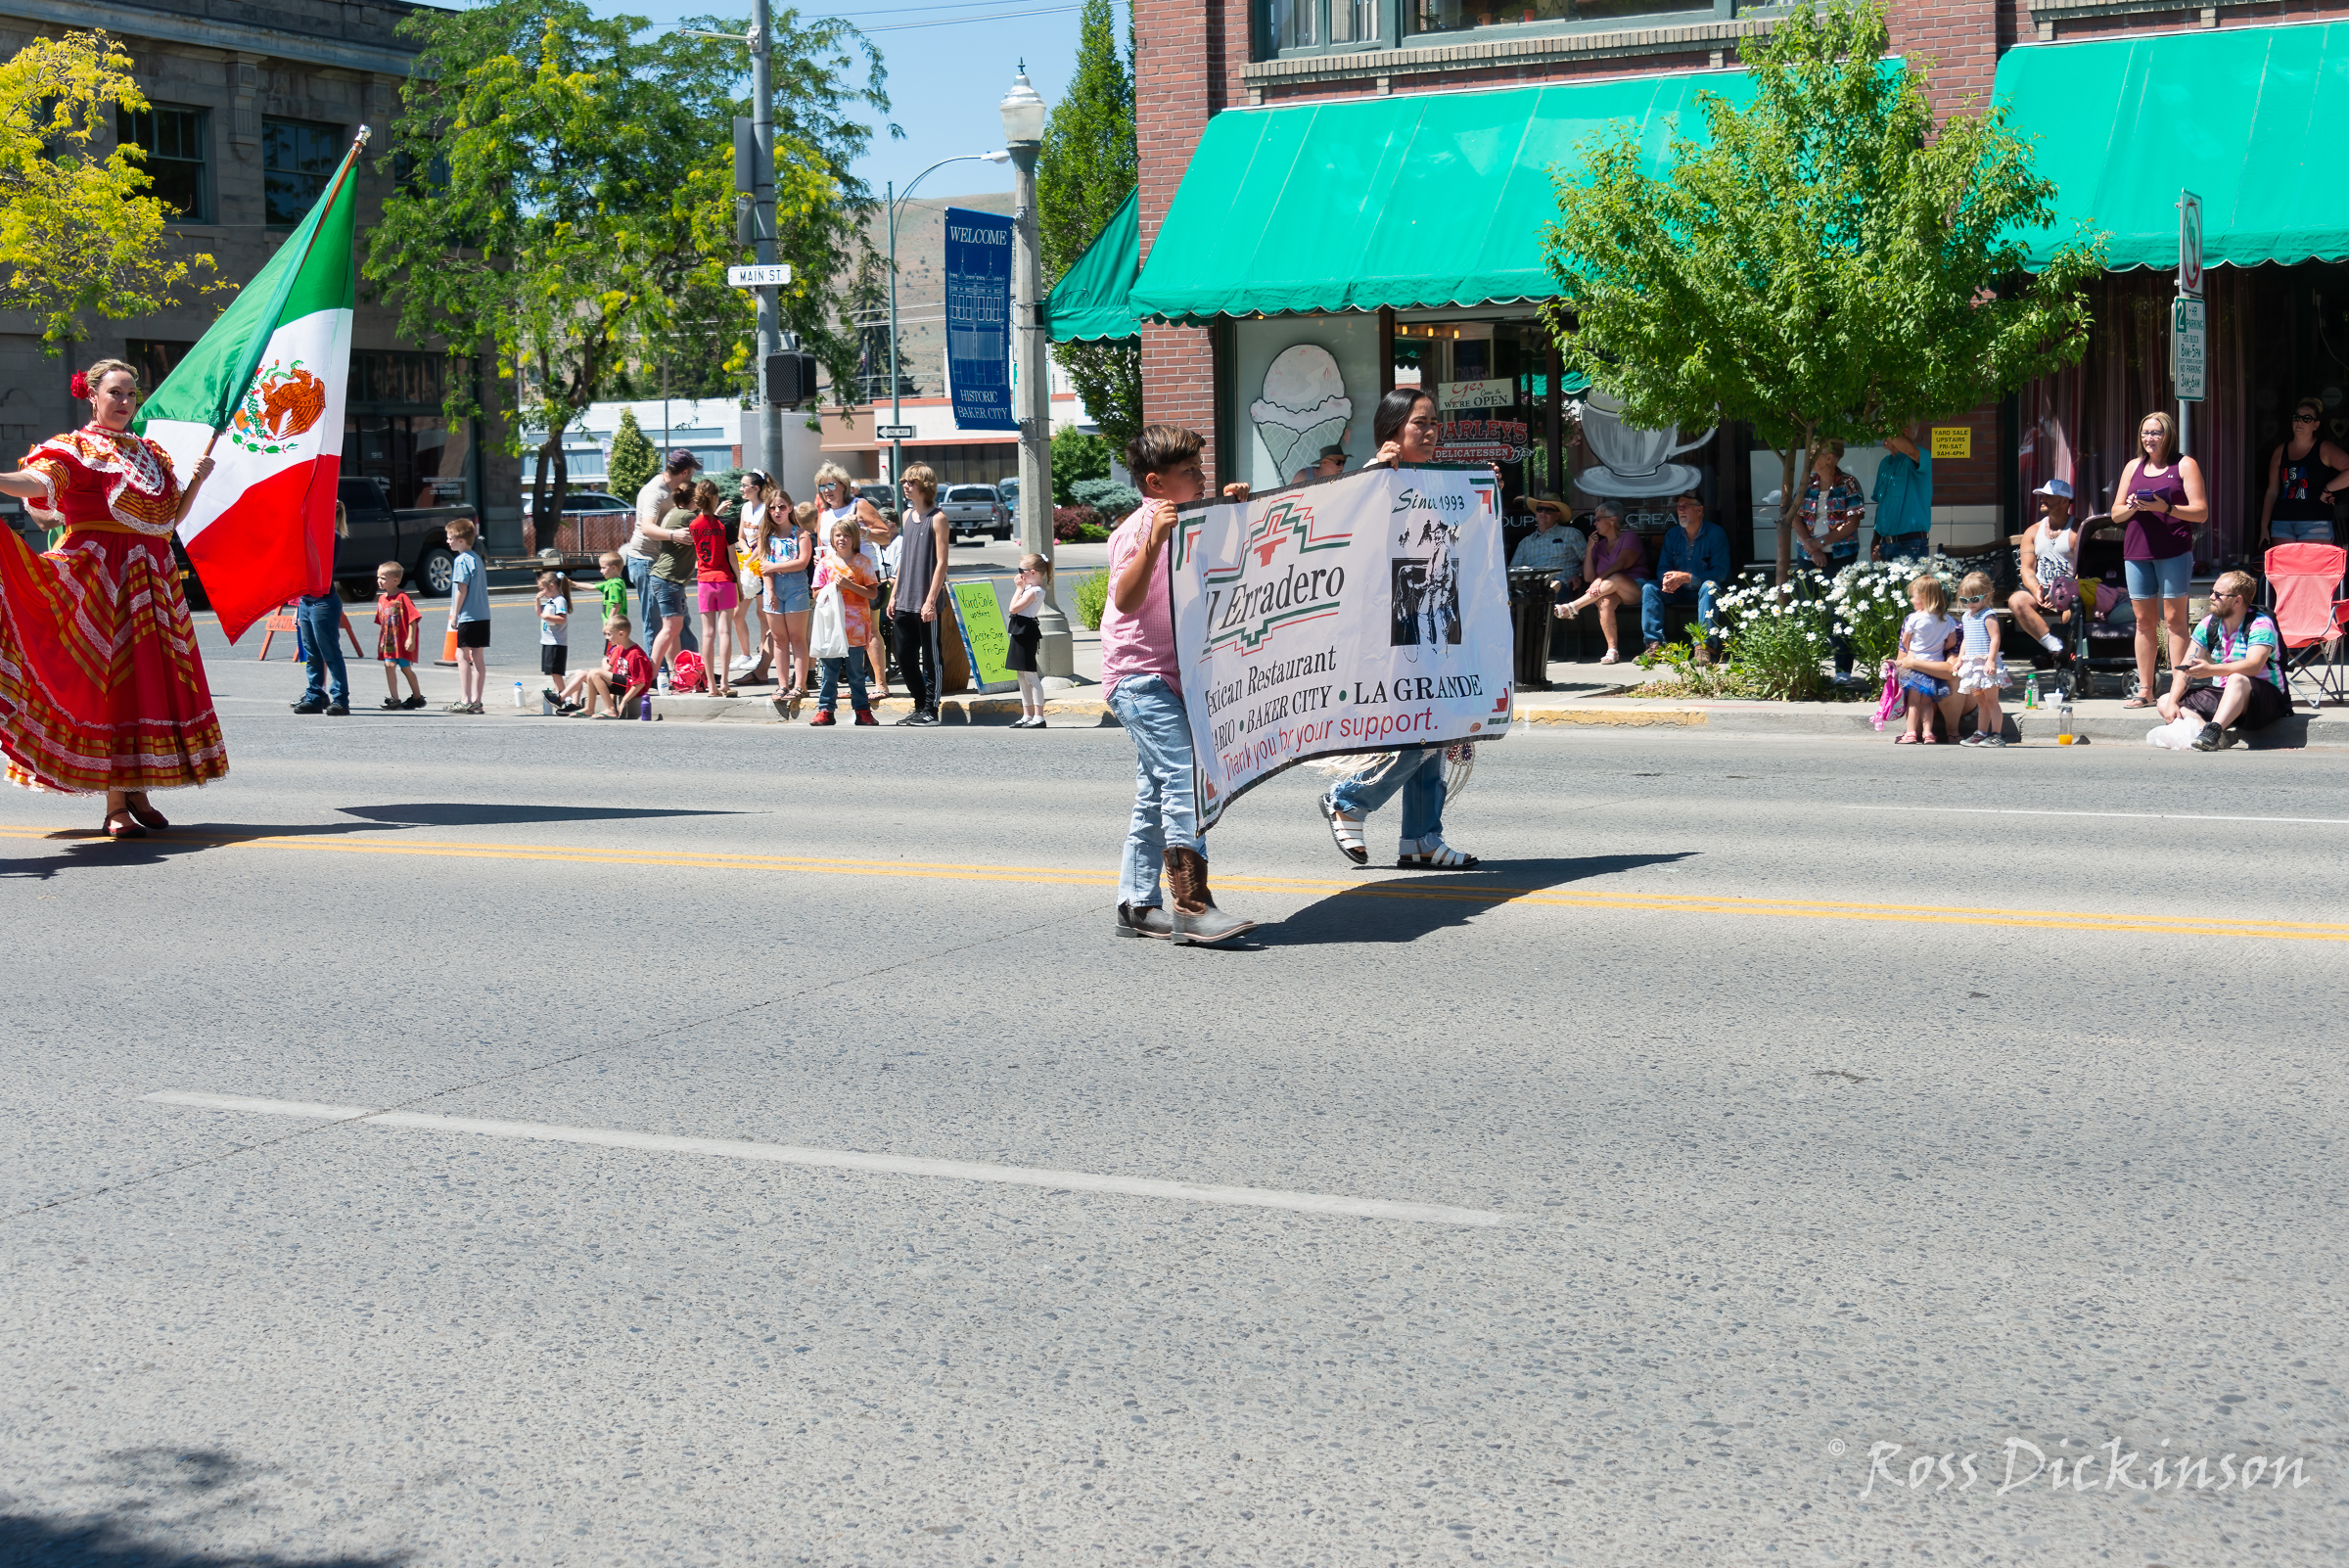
point(1432, 853)
point(1347, 831)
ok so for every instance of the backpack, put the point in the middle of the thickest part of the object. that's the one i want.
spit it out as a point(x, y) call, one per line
point(687, 672)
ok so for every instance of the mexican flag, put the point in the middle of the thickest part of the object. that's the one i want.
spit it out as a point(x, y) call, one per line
point(263, 394)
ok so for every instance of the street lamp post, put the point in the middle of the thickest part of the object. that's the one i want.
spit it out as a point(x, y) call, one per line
point(1022, 110)
point(893, 200)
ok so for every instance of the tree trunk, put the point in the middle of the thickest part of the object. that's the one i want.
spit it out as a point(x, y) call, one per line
point(1790, 505)
point(540, 532)
point(562, 493)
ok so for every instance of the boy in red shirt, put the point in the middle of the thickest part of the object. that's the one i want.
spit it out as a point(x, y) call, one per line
point(396, 620)
point(626, 677)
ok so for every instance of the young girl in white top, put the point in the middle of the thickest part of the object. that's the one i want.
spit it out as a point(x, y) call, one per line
point(1927, 639)
point(1981, 673)
point(1020, 615)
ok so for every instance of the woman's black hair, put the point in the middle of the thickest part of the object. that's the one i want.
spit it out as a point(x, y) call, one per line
point(1386, 424)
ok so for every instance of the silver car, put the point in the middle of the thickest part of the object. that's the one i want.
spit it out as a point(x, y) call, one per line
point(975, 511)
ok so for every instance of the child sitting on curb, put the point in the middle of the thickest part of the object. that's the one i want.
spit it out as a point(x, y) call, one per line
point(625, 680)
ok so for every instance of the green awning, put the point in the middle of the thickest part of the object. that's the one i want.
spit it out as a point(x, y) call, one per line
point(2244, 117)
point(1412, 201)
point(1088, 304)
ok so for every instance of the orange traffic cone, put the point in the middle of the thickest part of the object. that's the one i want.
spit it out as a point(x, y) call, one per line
point(448, 651)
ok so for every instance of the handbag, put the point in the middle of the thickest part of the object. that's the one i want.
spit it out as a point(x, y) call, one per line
point(828, 626)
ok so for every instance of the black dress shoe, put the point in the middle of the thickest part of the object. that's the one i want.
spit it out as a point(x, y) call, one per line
point(338, 709)
point(310, 707)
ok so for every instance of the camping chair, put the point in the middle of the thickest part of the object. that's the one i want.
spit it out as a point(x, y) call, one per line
point(2304, 594)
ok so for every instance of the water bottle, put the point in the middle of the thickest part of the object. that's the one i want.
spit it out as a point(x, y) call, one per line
point(2063, 721)
point(644, 708)
point(518, 694)
point(661, 681)
point(2031, 691)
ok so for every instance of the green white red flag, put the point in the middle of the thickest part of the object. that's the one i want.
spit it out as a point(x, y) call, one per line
point(263, 394)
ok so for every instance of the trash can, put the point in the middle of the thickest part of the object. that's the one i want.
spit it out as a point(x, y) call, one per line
point(1531, 598)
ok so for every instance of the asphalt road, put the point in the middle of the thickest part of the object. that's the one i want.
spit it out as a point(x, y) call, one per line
point(1756, 1106)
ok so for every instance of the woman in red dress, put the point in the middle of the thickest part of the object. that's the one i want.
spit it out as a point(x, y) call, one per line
point(101, 686)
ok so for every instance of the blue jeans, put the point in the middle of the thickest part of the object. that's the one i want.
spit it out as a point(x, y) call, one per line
point(640, 576)
point(1417, 771)
point(2301, 530)
point(2170, 578)
point(1166, 806)
point(320, 621)
point(1653, 599)
point(854, 667)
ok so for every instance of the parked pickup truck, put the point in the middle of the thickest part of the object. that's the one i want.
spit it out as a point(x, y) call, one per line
point(380, 532)
point(416, 537)
point(974, 511)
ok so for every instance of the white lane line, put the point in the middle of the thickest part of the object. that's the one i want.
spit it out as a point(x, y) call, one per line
point(2132, 816)
point(849, 1160)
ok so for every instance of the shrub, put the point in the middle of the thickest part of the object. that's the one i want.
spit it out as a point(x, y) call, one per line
point(1091, 595)
point(1870, 599)
point(1106, 496)
point(633, 460)
point(1069, 523)
point(1077, 457)
point(1776, 638)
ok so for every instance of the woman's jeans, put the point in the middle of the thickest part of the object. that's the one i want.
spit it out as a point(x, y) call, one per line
point(1166, 807)
point(854, 667)
point(320, 620)
point(1417, 771)
point(2301, 530)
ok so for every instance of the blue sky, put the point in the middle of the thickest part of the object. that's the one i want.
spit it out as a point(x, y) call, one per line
point(943, 81)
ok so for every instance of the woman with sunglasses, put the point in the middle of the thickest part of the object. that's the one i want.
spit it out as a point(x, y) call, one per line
point(2305, 474)
point(840, 502)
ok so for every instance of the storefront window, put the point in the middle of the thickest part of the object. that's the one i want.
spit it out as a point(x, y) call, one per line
point(298, 159)
point(426, 461)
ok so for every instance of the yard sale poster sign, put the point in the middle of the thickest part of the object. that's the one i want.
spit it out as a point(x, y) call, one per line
point(1366, 614)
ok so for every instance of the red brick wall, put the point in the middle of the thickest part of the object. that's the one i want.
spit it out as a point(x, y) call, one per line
point(1969, 480)
point(1962, 39)
point(1183, 74)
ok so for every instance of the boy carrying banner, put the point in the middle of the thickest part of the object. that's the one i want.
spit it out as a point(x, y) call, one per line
point(1142, 677)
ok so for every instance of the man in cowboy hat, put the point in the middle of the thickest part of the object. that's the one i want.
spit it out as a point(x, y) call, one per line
point(1556, 547)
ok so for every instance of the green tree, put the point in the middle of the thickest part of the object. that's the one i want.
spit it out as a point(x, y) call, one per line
point(633, 460)
point(567, 197)
point(1076, 456)
point(77, 232)
point(1824, 263)
point(1087, 166)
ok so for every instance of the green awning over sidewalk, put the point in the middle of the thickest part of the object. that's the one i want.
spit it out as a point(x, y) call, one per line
point(1413, 200)
point(2244, 117)
point(1089, 303)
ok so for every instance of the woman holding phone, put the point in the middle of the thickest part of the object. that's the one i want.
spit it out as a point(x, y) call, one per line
point(2160, 497)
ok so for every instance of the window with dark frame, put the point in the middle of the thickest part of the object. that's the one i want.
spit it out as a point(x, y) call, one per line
point(172, 139)
point(297, 158)
point(156, 358)
point(1343, 27)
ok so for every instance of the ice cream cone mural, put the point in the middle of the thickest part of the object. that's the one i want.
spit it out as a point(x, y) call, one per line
point(1303, 408)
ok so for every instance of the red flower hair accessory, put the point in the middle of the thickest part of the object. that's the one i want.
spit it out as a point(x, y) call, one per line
point(80, 386)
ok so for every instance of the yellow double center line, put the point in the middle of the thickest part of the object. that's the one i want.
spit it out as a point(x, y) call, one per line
point(1458, 889)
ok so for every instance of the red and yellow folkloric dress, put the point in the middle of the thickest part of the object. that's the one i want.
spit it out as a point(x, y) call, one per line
point(101, 686)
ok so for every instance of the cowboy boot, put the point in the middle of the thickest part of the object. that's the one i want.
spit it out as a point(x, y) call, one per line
point(1150, 920)
point(1197, 920)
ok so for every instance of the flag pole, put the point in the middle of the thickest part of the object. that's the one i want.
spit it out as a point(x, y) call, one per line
point(284, 289)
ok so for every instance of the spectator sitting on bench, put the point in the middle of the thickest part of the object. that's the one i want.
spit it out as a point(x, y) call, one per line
point(1614, 566)
point(1555, 546)
point(2237, 647)
point(1691, 568)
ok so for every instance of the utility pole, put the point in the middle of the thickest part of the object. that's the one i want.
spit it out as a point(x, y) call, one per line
point(770, 321)
point(1023, 111)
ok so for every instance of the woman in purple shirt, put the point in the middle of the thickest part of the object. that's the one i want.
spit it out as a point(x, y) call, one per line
point(2161, 498)
point(1614, 566)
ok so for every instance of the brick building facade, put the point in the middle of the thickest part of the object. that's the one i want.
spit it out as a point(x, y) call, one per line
point(1199, 59)
point(254, 103)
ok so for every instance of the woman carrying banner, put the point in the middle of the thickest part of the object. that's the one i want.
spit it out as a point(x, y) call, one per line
point(1404, 427)
point(101, 685)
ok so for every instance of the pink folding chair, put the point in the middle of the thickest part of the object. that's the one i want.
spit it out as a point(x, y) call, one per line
point(2304, 594)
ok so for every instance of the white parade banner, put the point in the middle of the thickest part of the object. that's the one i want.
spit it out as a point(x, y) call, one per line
point(1365, 613)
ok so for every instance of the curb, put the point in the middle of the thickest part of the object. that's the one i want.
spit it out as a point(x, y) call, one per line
point(2029, 726)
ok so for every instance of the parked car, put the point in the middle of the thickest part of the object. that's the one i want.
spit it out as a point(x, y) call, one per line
point(381, 532)
point(975, 511)
point(1009, 489)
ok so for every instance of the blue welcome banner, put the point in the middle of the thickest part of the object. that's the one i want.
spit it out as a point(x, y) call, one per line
point(979, 320)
